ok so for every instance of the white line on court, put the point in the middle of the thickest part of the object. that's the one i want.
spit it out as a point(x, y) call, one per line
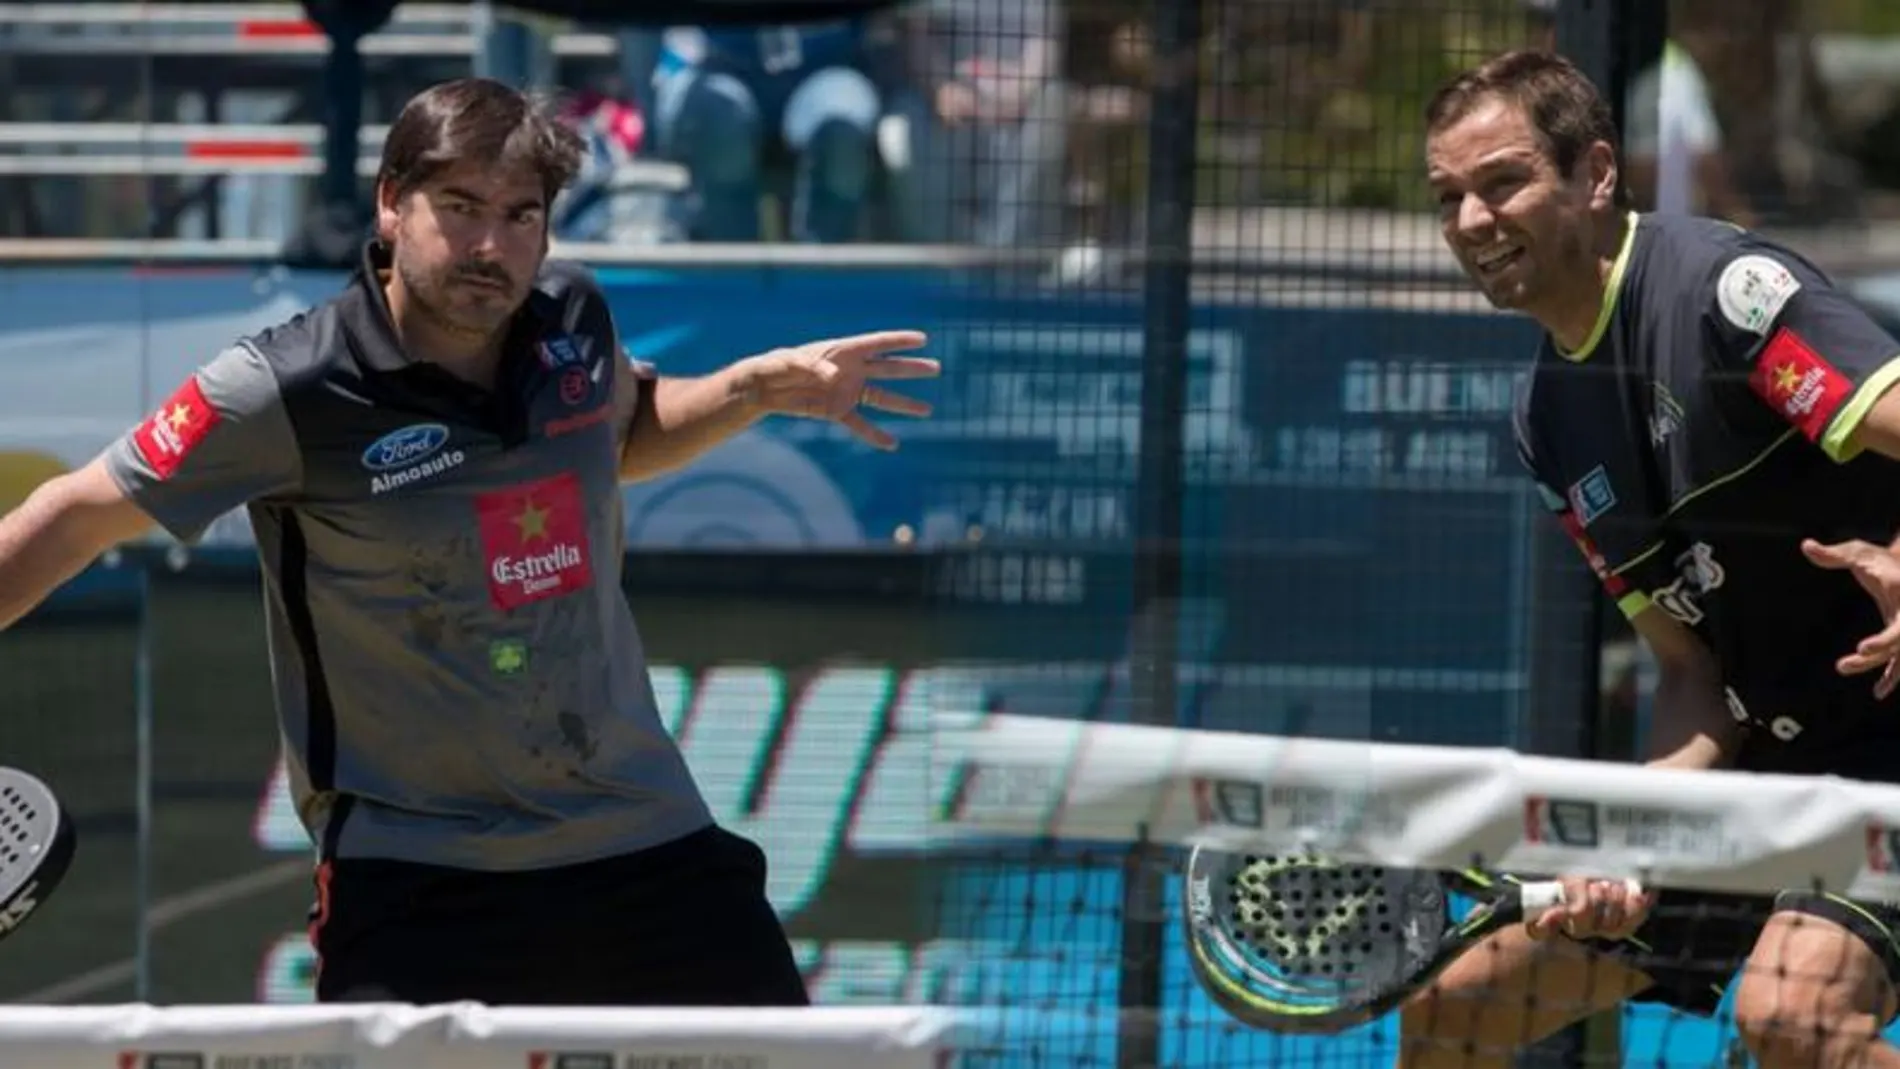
point(165, 912)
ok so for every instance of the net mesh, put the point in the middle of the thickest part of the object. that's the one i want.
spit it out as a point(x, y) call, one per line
point(387, 1036)
point(1220, 445)
point(1701, 976)
point(1277, 430)
point(1358, 558)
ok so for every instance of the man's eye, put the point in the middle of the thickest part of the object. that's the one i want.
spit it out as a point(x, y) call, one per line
point(1502, 187)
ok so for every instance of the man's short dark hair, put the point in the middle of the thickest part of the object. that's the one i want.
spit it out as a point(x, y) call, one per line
point(1564, 107)
point(482, 121)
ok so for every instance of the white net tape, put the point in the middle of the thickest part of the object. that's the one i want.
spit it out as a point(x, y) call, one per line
point(468, 1036)
point(1425, 807)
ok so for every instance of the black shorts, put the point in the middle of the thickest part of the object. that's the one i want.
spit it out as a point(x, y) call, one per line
point(1693, 942)
point(683, 924)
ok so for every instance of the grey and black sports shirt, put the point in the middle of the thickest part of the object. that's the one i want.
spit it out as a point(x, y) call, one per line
point(459, 677)
point(1702, 432)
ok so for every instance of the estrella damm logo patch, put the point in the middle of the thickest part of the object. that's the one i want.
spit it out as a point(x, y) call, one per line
point(172, 432)
point(535, 537)
point(1797, 383)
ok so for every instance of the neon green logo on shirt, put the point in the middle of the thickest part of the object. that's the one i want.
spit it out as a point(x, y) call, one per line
point(508, 657)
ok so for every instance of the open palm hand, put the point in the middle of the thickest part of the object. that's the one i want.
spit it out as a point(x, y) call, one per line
point(836, 379)
point(1877, 570)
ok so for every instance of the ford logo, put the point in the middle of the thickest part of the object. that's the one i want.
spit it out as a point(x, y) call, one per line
point(411, 445)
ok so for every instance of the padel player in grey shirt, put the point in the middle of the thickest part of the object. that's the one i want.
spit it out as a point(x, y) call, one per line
point(431, 462)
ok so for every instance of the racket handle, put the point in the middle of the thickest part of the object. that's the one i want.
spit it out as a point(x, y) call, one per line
point(1541, 895)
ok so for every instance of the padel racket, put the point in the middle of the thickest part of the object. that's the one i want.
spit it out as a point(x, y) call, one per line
point(37, 841)
point(1311, 945)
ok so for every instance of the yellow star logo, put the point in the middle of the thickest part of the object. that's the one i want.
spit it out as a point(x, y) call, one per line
point(179, 418)
point(532, 522)
point(1786, 378)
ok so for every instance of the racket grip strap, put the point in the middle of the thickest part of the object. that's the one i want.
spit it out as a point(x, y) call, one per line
point(1538, 896)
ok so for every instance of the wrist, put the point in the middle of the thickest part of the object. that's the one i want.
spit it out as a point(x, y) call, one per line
point(744, 387)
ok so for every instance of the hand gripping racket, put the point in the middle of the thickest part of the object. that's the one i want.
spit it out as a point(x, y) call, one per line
point(1311, 945)
point(37, 841)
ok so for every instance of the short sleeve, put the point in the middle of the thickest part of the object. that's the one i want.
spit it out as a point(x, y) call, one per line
point(1803, 348)
point(221, 440)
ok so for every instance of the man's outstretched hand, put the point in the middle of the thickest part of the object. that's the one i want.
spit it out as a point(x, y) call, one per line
point(835, 380)
point(1877, 570)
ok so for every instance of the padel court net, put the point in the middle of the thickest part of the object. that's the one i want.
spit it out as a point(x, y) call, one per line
point(1066, 915)
point(465, 1036)
point(1061, 846)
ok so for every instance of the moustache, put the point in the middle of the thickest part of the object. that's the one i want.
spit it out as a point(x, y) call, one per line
point(482, 273)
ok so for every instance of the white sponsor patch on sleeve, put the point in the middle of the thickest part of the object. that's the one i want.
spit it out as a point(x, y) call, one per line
point(1752, 291)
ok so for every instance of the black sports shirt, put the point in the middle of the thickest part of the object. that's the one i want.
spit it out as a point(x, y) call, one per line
point(1692, 443)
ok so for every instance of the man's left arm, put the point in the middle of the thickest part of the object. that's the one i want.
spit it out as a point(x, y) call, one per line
point(661, 423)
point(665, 423)
point(1808, 351)
point(1822, 364)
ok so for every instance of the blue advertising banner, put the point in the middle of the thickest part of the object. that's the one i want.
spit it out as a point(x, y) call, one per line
point(1352, 489)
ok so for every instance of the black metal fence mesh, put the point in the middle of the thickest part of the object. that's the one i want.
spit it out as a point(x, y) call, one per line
point(1255, 346)
point(1221, 441)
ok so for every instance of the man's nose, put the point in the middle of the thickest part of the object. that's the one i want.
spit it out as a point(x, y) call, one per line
point(1475, 217)
point(486, 244)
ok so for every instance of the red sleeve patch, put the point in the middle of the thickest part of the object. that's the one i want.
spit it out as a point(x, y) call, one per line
point(1799, 384)
point(172, 432)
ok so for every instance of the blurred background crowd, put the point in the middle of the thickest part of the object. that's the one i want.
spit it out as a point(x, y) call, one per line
point(1002, 123)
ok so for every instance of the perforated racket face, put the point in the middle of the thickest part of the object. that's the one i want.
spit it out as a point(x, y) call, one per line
point(36, 845)
point(1314, 934)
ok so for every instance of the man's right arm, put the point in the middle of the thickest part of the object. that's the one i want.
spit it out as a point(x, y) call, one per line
point(221, 440)
point(57, 531)
point(1690, 725)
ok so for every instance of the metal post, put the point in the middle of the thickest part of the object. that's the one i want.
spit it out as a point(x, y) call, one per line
point(342, 119)
point(1160, 489)
point(1611, 41)
point(346, 22)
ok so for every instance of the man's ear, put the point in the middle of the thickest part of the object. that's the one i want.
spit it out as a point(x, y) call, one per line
point(1605, 175)
point(386, 214)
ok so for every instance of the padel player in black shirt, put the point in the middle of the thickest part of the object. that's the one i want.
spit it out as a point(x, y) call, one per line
point(1693, 440)
point(1706, 416)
